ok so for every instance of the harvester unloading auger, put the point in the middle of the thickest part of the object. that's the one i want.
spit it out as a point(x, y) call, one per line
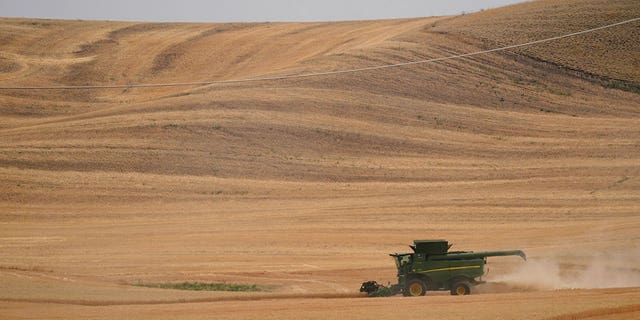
point(432, 266)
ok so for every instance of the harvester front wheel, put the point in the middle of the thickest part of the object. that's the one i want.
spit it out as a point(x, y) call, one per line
point(460, 289)
point(415, 288)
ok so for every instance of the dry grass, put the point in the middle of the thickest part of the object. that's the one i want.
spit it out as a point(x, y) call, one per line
point(610, 53)
point(307, 184)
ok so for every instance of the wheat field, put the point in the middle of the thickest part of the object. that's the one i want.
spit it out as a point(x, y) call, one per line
point(305, 185)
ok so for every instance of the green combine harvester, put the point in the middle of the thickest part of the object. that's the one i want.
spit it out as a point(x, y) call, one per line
point(433, 267)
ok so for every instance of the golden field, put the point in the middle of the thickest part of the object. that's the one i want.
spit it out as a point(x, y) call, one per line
point(305, 185)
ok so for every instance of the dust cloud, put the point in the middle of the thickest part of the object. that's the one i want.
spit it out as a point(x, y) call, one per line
point(586, 271)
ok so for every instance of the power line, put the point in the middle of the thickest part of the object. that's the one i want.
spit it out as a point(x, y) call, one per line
point(317, 74)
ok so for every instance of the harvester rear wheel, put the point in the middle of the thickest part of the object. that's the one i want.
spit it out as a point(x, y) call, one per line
point(415, 288)
point(460, 289)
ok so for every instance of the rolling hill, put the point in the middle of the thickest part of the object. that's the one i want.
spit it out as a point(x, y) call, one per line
point(306, 184)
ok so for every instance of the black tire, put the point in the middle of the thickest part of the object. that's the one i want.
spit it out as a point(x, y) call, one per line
point(415, 288)
point(460, 289)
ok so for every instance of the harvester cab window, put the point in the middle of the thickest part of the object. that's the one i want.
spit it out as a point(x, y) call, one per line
point(405, 259)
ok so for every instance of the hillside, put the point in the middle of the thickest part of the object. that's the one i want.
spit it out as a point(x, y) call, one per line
point(306, 184)
point(611, 54)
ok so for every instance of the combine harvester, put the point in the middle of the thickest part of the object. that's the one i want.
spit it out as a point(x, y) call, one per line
point(432, 266)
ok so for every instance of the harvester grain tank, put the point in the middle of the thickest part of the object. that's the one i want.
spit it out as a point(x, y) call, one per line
point(432, 267)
